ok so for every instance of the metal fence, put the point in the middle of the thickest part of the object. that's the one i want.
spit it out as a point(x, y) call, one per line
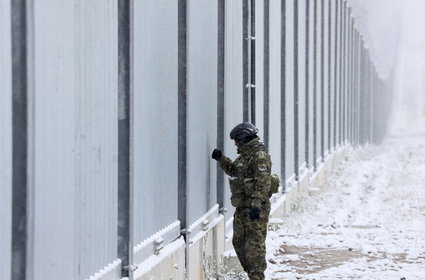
point(109, 111)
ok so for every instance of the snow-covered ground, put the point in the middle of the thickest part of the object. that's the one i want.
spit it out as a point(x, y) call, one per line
point(368, 223)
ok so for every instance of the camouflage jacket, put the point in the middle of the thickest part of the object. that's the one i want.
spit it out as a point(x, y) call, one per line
point(250, 175)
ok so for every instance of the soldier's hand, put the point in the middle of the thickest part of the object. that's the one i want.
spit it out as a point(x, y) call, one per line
point(254, 213)
point(216, 154)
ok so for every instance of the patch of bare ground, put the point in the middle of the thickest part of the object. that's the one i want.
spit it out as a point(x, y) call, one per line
point(306, 260)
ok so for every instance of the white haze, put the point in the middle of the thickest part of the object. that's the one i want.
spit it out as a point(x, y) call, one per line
point(393, 30)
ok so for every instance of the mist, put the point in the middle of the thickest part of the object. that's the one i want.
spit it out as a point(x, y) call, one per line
point(392, 30)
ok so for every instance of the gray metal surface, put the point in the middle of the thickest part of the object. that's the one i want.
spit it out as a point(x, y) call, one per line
point(289, 95)
point(325, 75)
point(259, 67)
point(319, 88)
point(233, 98)
point(96, 133)
point(5, 140)
point(155, 116)
point(301, 83)
point(312, 86)
point(75, 138)
point(54, 142)
point(201, 107)
point(275, 84)
point(125, 99)
point(20, 213)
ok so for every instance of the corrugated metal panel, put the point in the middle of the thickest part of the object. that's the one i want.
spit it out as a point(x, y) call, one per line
point(311, 86)
point(332, 71)
point(259, 67)
point(55, 253)
point(155, 116)
point(96, 133)
point(318, 81)
point(275, 85)
point(75, 138)
point(326, 74)
point(301, 82)
point(201, 106)
point(289, 90)
point(233, 85)
point(5, 140)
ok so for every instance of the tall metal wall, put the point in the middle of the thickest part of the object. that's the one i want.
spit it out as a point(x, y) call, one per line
point(201, 106)
point(233, 81)
point(197, 68)
point(5, 140)
point(75, 138)
point(155, 116)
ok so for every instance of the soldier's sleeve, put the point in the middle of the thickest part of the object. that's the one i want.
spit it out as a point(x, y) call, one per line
point(228, 166)
point(261, 167)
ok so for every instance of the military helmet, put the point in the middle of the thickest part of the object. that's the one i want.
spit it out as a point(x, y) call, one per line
point(244, 132)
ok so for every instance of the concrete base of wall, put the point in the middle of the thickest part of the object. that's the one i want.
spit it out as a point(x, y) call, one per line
point(210, 255)
point(206, 251)
point(168, 264)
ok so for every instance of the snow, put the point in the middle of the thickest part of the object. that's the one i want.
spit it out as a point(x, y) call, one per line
point(368, 223)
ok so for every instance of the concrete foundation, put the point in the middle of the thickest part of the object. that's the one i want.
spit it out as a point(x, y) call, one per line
point(168, 264)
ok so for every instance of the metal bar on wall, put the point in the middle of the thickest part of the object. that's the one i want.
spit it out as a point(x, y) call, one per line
point(182, 123)
point(322, 79)
point(329, 16)
point(245, 60)
point(19, 139)
point(353, 80)
point(283, 93)
point(296, 117)
point(315, 86)
point(220, 95)
point(307, 80)
point(266, 73)
point(344, 76)
point(341, 77)
point(348, 103)
point(125, 186)
point(336, 73)
point(252, 60)
point(182, 111)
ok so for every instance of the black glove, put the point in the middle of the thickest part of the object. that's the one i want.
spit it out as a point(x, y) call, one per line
point(216, 154)
point(254, 213)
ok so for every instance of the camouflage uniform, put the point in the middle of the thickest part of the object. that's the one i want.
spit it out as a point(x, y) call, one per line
point(250, 187)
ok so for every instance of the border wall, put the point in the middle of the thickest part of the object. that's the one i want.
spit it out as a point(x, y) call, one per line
point(109, 112)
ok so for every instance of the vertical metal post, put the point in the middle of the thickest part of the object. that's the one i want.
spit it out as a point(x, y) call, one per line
point(353, 79)
point(245, 60)
point(283, 93)
point(125, 90)
point(266, 108)
point(347, 76)
point(329, 16)
point(19, 139)
point(341, 77)
point(252, 60)
point(296, 113)
point(344, 75)
point(336, 73)
point(221, 35)
point(322, 79)
point(182, 122)
point(354, 84)
point(307, 82)
point(315, 86)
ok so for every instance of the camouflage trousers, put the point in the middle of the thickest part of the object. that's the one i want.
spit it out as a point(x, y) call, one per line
point(249, 241)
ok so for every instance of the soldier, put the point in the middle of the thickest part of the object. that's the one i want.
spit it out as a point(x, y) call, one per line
point(251, 187)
